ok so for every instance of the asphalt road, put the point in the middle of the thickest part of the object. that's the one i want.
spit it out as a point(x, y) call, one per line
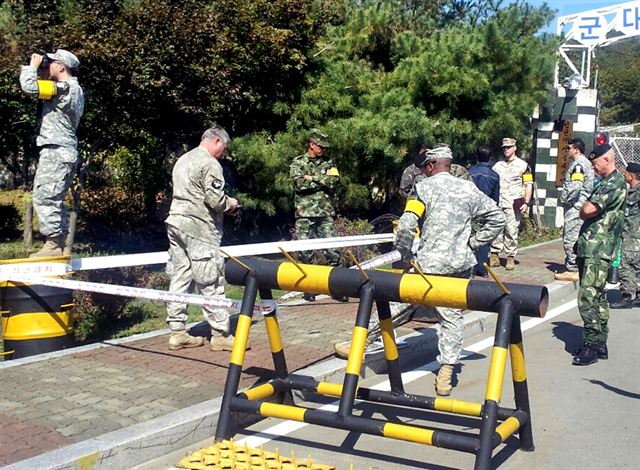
point(585, 418)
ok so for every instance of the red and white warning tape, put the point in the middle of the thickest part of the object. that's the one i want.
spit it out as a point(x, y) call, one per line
point(37, 272)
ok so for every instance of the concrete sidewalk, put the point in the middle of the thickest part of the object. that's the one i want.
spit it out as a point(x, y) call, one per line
point(119, 403)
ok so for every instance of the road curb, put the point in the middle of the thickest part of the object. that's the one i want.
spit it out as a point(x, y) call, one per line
point(151, 439)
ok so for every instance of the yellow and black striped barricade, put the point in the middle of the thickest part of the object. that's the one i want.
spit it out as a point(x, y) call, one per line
point(36, 319)
point(496, 423)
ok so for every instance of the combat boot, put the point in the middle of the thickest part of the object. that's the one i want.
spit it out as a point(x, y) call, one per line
point(181, 340)
point(224, 343)
point(624, 302)
point(494, 260)
point(511, 263)
point(53, 246)
point(309, 297)
point(443, 380)
point(342, 349)
point(586, 355)
point(602, 350)
point(572, 276)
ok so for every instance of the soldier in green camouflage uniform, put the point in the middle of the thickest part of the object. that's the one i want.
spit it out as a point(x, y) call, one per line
point(315, 178)
point(603, 215)
point(630, 263)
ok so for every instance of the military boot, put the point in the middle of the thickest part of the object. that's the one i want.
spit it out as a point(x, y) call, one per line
point(443, 380)
point(624, 302)
point(572, 276)
point(602, 350)
point(586, 355)
point(224, 343)
point(53, 246)
point(181, 340)
point(494, 260)
point(342, 349)
point(309, 297)
point(511, 263)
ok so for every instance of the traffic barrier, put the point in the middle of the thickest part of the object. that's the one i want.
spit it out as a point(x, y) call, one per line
point(274, 398)
point(36, 319)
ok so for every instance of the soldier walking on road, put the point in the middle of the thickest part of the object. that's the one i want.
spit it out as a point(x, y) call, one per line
point(446, 207)
point(194, 229)
point(516, 191)
point(315, 178)
point(62, 102)
point(603, 216)
point(630, 263)
point(576, 188)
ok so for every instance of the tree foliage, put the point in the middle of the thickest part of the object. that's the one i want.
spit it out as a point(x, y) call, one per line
point(387, 79)
point(378, 76)
point(618, 82)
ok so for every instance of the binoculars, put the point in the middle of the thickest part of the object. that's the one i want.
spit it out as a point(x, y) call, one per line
point(45, 61)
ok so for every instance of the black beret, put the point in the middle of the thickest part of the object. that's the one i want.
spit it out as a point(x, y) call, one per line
point(634, 167)
point(599, 150)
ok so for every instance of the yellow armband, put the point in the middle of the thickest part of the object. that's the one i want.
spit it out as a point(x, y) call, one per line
point(46, 89)
point(527, 178)
point(333, 172)
point(577, 177)
point(416, 207)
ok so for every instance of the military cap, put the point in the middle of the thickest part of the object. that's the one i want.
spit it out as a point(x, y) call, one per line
point(319, 137)
point(599, 150)
point(508, 142)
point(634, 167)
point(65, 57)
point(437, 153)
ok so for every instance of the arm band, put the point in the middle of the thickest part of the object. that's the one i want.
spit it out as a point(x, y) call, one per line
point(416, 207)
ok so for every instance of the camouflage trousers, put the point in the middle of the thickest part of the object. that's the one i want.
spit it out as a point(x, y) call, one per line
point(451, 329)
point(316, 227)
point(195, 264)
point(54, 175)
point(570, 232)
point(507, 239)
point(629, 272)
point(592, 303)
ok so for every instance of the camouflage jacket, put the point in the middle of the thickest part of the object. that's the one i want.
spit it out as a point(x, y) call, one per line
point(599, 235)
point(61, 114)
point(578, 183)
point(313, 198)
point(514, 175)
point(448, 206)
point(412, 174)
point(631, 230)
point(198, 200)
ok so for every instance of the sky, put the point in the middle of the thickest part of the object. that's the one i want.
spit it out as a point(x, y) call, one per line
point(571, 6)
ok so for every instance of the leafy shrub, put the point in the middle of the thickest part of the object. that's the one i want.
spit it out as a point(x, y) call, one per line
point(347, 227)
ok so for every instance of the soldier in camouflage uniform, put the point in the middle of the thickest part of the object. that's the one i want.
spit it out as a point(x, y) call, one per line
point(62, 107)
point(630, 262)
point(516, 191)
point(412, 174)
point(194, 229)
point(576, 188)
point(446, 207)
point(315, 178)
point(603, 216)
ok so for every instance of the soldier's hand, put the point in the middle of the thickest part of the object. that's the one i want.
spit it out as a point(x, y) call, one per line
point(36, 60)
point(524, 208)
point(233, 206)
point(308, 177)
